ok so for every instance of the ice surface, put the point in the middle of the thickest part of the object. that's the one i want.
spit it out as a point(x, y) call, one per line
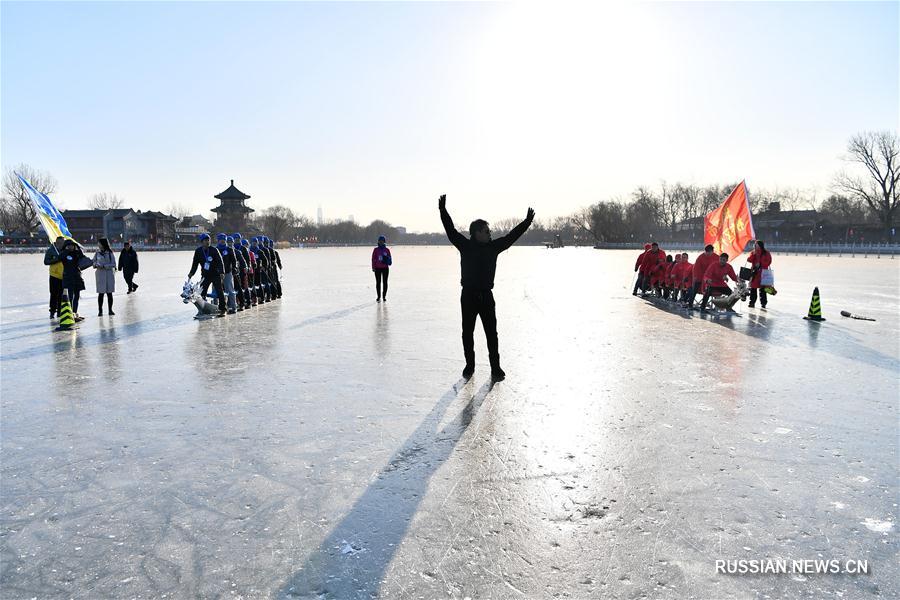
point(325, 445)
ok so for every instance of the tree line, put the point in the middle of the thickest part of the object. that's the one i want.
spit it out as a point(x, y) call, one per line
point(863, 194)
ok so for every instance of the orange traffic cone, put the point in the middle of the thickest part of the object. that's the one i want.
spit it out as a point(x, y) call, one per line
point(66, 319)
point(815, 308)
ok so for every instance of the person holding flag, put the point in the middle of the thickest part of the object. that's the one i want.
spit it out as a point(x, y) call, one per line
point(53, 259)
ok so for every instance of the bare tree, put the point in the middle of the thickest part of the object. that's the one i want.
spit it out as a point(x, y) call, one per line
point(178, 210)
point(686, 201)
point(277, 222)
point(878, 153)
point(842, 210)
point(104, 201)
point(667, 208)
point(16, 209)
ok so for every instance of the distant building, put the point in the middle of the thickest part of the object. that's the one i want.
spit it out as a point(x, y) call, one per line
point(319, 216)
point(201, 221)
point(150, 227)
point(85, 225)
point(231, 214)
point(120, 224)
point(401, 230)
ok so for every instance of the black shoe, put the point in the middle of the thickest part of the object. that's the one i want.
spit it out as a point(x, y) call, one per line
point(752, 305)
point(468, 371)
point(231, 311)
point(377, 299)
point(129, 291)
point(497, 374)
point(100, 313)
point(384, 299)
point(134, 288)
point(111, 313)
point(52, 314)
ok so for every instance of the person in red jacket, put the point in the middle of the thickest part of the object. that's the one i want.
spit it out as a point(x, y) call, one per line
point(654, 259)
point(684, 278)
point(759, 259)
point(639, 282)
point(700, 265)
point(666, 282)
point(674, 280)
point(715, 280)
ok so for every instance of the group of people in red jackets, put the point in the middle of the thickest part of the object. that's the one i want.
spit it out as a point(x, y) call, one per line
point(678, 279)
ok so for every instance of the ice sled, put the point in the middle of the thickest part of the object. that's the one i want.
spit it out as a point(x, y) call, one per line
point(190, 294)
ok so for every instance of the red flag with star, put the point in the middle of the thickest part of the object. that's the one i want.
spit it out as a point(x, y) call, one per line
point(729, 227)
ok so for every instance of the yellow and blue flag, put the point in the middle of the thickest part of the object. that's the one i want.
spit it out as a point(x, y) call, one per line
point(51, 220)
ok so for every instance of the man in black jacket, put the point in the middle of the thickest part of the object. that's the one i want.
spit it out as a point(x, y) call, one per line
point(212, 270)
point(128, 264)
point(240, 270)
point(478, 263)
point(243, 246)
point(262, 271)
point(274, 265)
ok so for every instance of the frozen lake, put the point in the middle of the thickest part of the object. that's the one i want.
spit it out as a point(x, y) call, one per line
point(324, 445)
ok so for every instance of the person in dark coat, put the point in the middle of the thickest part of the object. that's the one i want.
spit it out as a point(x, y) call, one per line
point(240, 243)
point(276, 265)
point(478, 263)
point(53, 259)
point(240, 270)
point(227, 252)
point(128, 264)
point(261, 271)
point(73, 282)
point(381, 266)
point(212, 270)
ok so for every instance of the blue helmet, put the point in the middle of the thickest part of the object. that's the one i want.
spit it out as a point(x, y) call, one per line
point(228, 238)
point(381, 238)
point(244, 242)
point(237, 237)
point(220, 237)
point(203, 236)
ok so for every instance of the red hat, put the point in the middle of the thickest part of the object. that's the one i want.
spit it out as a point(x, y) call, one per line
point(646, 246)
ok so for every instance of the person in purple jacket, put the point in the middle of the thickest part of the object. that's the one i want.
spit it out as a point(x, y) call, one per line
point(381, 263)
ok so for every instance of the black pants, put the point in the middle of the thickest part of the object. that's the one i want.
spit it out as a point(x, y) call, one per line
point(247, 283)
point(129, 276)
point(714, 291)
point(109, 300)
point(56, 290)
point(239, 289)
point(257, 285)
point(216, 280)
point(273, 280)
point(74, 296)
point(265, 285)
point(763, 298)
point(477, 303)
point(692, 293)
point(381, 282)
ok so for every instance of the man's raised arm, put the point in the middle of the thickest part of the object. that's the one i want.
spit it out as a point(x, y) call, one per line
point(456, 238)
point(510, 238)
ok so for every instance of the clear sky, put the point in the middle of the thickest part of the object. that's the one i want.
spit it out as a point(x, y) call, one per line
point(374, 109)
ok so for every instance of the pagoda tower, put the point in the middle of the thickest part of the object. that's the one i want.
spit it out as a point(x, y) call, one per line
point(231, 214)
